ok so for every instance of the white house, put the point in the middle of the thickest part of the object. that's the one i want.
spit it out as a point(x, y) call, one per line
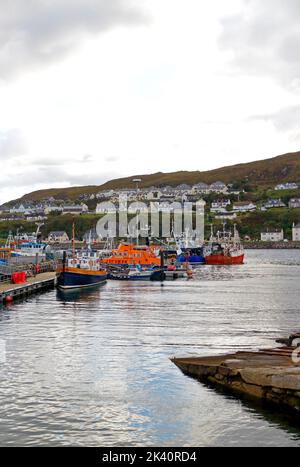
point(58, 236)
point(218, 187)
point(153, 195)
point(274, 203)
point(294, 203)
point(244, 206)
point(220, 205)
point(272, 236)
point(296, 233)
point(106, 207)
point(200, 188)
point(18, 209)
point(76, 209)
point(286, 186)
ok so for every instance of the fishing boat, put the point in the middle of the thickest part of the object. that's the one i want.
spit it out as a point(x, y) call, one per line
point(80, 271)
point(132, 255)
point(190, 255)
point(186, 249)
point(225, 249)
point(29, 249)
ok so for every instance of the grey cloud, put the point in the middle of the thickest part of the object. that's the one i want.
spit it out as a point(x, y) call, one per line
point(50, 177)
point(112, 158)
point(58, 162)
point(284, 120)
point(35, 32)
point(12, 144)
point(264, 39)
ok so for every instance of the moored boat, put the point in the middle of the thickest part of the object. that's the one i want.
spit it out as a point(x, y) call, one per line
point(77, 275)
point(131, 255)
point(80, 271)
point(225, 249)
point(191, 255)
point(131, 274)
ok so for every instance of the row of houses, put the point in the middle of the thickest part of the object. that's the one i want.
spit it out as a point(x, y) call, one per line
point(44, 210)
point(248, 206)
point(155, 193)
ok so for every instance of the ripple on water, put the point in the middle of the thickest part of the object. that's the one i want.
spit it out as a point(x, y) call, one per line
point(93, 368)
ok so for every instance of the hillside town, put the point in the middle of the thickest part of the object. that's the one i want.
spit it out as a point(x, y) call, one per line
point(224, 203)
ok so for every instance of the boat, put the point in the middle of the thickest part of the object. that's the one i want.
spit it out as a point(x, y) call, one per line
point(225, 249)
point(80, 271)
point(132, 255)
point(186, 249)
point(131, 274)
point(191, 255)
point(29, 249)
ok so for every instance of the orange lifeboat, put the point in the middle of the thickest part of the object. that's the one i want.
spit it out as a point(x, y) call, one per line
point(130, 255)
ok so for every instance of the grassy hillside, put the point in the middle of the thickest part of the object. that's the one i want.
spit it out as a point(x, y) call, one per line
point(261, 174)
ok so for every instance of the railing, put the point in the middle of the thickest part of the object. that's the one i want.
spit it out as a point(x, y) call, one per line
point(31, 268)
point(4, 278)
point(8, 269)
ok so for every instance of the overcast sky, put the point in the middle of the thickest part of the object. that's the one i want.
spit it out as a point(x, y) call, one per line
point(96, 89)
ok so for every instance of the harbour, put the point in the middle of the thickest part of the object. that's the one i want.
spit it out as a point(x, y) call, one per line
point(92, 367)
point(39, 283)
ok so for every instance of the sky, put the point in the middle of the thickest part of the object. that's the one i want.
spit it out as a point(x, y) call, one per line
point(92, 90)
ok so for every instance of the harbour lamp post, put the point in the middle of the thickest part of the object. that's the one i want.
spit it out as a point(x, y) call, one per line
point(137, 181)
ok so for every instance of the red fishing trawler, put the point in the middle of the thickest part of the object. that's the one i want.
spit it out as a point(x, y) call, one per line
point(225, 249)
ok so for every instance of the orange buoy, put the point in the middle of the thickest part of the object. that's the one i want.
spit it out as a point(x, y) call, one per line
point(189, 273)
point(8, 299)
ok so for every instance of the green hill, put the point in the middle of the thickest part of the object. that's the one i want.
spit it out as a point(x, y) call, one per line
point(260, 174)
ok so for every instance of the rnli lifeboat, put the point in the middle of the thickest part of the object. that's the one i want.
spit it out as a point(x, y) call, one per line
point(131, 255)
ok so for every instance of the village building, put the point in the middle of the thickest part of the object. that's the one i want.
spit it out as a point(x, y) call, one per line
point(58, 236)
point(274, 203)
point(244, 206)
point(294, 203)
point(106, 207)
point(201, 188)
point(218, 187)
point(296, 233)
point(272, 236)
point(220, 205)
point(286, 186)
point(75, 209)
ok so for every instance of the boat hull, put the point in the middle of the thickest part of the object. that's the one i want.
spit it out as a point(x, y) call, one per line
point(224, 260)
point(71, 278)
point(127, 277)
point(193, 259)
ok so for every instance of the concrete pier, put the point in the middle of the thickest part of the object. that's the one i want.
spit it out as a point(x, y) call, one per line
point(34, 284)
point(270, 374)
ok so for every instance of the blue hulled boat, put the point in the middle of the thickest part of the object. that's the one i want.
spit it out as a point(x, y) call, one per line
point(191, 256)
point(80, 270)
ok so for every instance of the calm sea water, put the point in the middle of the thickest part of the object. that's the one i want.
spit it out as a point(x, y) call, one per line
point(93, 368)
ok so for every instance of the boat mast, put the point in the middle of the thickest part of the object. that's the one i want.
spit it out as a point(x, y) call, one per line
point(73, 240)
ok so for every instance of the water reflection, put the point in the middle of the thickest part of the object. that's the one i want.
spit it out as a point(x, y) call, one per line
point(92, 367)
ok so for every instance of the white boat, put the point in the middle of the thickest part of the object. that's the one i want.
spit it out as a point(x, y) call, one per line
point(30, 249)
